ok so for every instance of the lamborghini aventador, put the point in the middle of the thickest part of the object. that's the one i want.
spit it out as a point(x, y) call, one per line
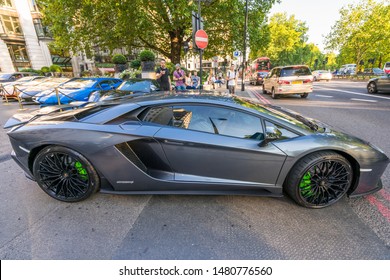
point(187, 144)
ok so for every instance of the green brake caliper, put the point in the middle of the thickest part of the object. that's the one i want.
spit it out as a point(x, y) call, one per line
point(81, 171)
point(305, 185)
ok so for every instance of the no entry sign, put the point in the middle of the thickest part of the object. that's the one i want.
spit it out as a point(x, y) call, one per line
point(201, 39)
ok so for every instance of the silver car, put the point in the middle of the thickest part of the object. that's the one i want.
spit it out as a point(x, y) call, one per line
point(288, 80)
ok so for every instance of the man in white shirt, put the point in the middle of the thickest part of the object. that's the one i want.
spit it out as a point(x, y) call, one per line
point(231, 77)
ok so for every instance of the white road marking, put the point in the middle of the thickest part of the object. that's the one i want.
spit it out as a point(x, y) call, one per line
point(365, 100)
point(356, 93)
point(327, 96)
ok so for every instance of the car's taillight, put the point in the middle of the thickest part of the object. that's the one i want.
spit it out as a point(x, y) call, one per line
point(282, 82)
point(306, 81)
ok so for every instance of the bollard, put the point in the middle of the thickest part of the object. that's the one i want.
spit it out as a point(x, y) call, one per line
point(58, 98)
point(17, 96)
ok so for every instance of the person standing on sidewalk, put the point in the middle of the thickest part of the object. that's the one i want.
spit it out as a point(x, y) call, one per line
point(162, 75)
point(231, 78)
point(179, 77)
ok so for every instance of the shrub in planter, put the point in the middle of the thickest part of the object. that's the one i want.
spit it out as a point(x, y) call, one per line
point(135, 64)
point(119, 59)
point(147, 55)
point(55, 68)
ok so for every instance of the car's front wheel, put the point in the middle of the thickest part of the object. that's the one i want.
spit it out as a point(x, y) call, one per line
point(304, 95)
point(319, 179)
point(65, 174)
point(371, 88)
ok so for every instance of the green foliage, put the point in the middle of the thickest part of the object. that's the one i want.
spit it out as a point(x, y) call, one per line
point(31, 71)
point(130, 74)
point(147, 55)
point(45, 69)
point(55, 68)
point(135, 64)
point(105, 65)
point(362, 33)
point(119, 59)
point(159, 25)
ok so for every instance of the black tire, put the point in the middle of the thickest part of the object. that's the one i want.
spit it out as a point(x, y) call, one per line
point(64, 174)
point(319, 179)
point(371, 88)
point(304, 95)
point(264, 91)
point(273, 94)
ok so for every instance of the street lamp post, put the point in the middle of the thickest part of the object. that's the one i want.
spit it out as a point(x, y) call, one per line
point(245, 37)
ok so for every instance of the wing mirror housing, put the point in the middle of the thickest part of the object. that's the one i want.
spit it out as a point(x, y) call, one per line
point(271, 134)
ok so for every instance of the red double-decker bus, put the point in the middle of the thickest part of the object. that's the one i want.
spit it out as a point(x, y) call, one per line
point(259, 69)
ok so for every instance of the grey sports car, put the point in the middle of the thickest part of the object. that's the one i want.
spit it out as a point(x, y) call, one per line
point(187, 144)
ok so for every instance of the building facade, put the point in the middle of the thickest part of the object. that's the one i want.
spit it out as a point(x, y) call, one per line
point(23, 38)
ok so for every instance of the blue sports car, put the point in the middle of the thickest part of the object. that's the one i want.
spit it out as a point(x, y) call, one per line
point(78, 89)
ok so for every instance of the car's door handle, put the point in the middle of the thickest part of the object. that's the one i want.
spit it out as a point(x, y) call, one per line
point(173, 142)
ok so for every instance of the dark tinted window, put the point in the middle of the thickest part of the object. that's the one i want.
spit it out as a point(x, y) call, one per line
point(208, 119)
point(285, 133)
point(295, 71)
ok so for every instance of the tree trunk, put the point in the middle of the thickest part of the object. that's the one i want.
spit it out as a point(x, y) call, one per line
point(176, 44)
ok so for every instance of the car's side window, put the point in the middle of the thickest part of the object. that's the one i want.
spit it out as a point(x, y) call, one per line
point(284, 133)
point(210, 119)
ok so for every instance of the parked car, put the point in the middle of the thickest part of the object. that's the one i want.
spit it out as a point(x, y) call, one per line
point(374, 71)
point(192, 144)
point(8, 88)
point(319, 75)
point(257, 78)
point(10, 77)
point(49, 84)
point(379, 84)
point(386, 68)
point(288, 80)
point(77, 89)
point(128, 89)
point(348, 69)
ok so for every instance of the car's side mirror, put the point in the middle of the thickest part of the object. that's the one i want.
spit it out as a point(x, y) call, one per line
point(271, 134)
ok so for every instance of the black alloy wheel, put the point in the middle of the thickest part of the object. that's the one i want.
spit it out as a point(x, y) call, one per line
point(371, 88)
point(65, 174)
point(319, 180)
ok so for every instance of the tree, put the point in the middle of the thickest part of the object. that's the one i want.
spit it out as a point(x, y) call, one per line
point(286, 43)
point(159, 25)
point(362, 32)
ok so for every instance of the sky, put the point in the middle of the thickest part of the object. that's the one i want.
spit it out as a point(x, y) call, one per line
point(319, 16)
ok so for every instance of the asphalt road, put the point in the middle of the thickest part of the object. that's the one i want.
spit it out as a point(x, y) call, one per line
point(35, 226)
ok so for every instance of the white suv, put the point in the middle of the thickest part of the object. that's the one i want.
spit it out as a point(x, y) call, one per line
point(287, 80)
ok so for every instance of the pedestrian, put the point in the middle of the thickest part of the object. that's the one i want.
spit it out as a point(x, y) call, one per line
point(179, 77)
point(195, 80)
point(231, 78)
point(163, 76)
point(189, 81)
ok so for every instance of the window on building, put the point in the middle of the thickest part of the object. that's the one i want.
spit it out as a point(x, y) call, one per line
point(5, 3)
point(11, 25)
point(41, 30)
point(34, 6)
point(18, 53)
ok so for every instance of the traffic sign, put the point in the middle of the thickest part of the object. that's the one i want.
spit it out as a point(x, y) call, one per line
point(201, 39)
point(236, 53)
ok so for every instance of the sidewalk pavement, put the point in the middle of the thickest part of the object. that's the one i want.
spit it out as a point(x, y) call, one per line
point(222, 89)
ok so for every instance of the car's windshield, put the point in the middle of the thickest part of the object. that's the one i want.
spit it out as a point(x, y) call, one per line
point(140, 86)
point(295, 71)
point(280, 113)
point(5, 76)
point(79, 83)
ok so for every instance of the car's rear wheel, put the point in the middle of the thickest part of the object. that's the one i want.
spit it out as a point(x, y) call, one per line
point(304, 95)
point(273, 94)
point(371, 88)
point(65, 174)
point(319, 180)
